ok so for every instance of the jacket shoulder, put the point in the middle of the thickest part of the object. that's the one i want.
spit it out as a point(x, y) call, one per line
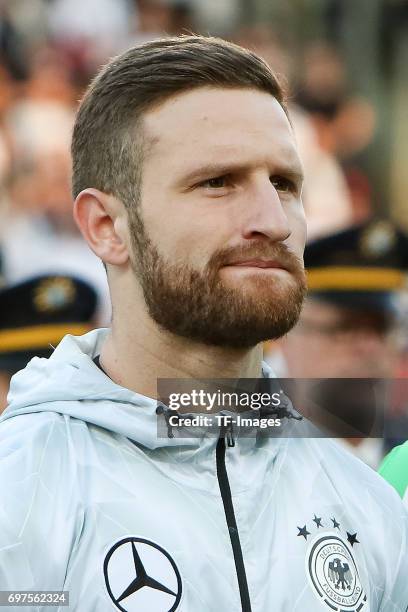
point(28, 440)
point(40, 512)
point(350, 476)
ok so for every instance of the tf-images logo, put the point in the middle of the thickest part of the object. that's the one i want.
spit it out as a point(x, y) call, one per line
point(140, 575)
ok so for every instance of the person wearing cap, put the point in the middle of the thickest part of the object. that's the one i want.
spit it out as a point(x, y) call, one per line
point(188, 185)
point(346, 329)
point(35, 315)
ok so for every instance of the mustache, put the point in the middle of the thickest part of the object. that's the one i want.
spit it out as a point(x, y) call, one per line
point(276, 251)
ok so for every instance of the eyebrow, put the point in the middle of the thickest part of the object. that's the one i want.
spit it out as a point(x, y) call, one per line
point(293, 172)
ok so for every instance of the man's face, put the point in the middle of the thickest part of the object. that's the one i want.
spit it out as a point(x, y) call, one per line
point(332, 341)
point(218, 238)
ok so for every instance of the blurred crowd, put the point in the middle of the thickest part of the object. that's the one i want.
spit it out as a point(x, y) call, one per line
point(49, 51)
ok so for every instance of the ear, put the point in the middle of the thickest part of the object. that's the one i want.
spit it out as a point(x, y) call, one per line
point(102, 220)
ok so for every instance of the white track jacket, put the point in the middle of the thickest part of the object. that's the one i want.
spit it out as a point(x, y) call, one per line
point(93, 502)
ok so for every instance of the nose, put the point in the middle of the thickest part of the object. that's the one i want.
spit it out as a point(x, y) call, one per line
point(265, 213)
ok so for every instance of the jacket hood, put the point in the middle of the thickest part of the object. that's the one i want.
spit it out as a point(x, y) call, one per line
point(70, 383)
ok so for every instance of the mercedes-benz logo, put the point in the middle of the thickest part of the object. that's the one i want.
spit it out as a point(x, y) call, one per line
point(140, 575)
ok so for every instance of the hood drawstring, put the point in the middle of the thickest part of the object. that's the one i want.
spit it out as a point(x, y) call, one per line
point(168, 412)
point(285, 410)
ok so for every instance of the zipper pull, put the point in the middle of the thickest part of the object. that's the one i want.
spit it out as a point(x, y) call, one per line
point(229, 435)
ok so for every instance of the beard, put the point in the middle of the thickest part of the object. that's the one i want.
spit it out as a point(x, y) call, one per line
point(199, 306)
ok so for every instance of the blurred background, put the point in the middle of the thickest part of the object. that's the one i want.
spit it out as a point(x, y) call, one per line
point(344, 64)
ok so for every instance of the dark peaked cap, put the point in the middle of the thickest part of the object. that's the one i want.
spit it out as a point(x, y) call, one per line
point(360, 266)
point(38, 313)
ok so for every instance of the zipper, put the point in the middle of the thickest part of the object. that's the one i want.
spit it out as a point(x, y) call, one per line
point(230, 517)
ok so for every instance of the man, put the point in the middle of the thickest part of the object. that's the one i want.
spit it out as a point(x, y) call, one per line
point(394, 468)
point(35, 315)
point(188, 187)
point(348, 325)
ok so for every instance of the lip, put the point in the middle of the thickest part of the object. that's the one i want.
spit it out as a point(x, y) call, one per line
point(258, 263)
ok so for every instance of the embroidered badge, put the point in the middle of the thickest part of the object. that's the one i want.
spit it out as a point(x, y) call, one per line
point(54, 294)
point(331, 566)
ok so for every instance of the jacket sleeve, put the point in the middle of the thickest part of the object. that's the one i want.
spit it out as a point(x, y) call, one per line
point(394, 469)
point(38, 508)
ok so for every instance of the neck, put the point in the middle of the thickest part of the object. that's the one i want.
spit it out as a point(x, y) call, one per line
point(135, 357)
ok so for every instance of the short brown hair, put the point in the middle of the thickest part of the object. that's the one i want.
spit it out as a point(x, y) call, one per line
point(107, 142)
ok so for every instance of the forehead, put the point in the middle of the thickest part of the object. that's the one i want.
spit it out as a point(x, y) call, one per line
point(213, 122)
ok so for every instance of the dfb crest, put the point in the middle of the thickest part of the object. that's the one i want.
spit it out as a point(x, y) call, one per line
point(334, 576)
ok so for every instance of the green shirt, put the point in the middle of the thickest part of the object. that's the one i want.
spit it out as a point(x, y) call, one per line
point(394, 468)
